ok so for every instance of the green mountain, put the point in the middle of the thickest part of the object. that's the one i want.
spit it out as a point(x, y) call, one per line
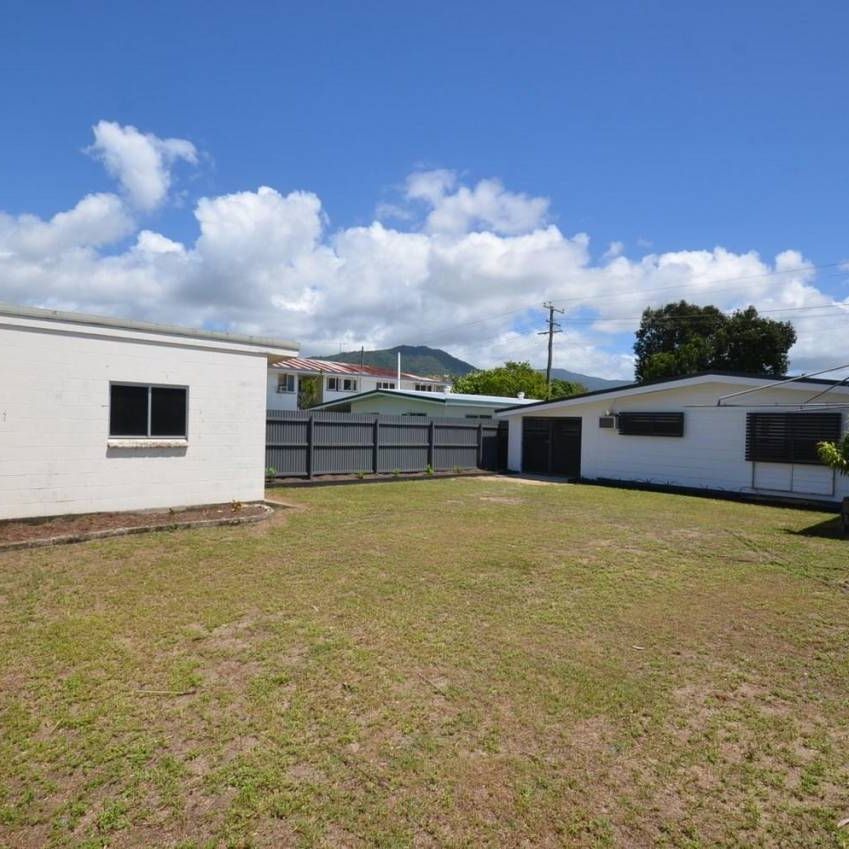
point(592, 383)
point(434, 362)
point(415, 359)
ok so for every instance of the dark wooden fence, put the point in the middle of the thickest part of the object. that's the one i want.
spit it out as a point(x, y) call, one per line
point(305, 444)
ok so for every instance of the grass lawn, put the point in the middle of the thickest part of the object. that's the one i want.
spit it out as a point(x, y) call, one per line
point(452, 663)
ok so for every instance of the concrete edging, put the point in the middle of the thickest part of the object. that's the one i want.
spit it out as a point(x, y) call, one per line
point(65, 539)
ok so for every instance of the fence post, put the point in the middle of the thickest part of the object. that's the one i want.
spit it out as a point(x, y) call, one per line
point(480, 444)
point(431, 433)
point(310, 452)
point(375, 452)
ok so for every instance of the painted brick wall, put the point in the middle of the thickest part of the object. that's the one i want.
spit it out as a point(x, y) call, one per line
point(54, 422)
point(710, 455)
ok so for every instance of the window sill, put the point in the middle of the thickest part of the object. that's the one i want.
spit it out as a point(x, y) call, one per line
point(145, 442)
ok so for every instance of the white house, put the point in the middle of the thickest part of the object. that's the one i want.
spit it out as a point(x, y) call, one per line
point(327, 380)
point(98, 414)
point(730, 433)
point(395, 402)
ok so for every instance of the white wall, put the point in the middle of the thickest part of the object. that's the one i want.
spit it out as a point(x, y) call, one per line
point(54, 422)
point(275, 400)
point(289, 400)
point(710, 455)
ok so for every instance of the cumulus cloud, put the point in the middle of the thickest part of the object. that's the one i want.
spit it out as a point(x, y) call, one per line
point(468, 271)
point(96, 220)
point(486, 206)
point(141, 162)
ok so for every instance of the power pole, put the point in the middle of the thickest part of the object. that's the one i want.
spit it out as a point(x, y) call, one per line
point(553, 327)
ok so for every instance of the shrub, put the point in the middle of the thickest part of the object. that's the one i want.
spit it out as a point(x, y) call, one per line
point(835, 455)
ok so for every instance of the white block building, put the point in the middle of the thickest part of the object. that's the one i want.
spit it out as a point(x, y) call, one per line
point(708, 431)
point(332, 381)
point(98, 414)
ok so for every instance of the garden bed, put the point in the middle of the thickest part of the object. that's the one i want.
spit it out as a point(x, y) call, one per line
point(369, 477)
point(54, 530)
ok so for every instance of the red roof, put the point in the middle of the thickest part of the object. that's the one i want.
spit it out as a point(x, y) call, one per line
point(331, 367)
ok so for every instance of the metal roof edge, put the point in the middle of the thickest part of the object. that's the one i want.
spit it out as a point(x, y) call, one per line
point(108, 322)
point(699, 377)
point(339, 367)
point(390, 393)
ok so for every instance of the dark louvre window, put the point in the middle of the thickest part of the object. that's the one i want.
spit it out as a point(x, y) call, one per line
point(147, 410)
point(128, 411)
point(167, 411)
point(790, 437)
point(651, 424)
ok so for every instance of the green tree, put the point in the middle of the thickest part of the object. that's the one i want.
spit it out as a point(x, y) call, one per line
point(511, 379)
point(681, 338)
point(749, 343)
point(564, 388)
point(309, 391)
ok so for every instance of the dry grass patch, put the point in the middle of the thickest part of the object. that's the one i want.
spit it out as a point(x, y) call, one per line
point(456, 663)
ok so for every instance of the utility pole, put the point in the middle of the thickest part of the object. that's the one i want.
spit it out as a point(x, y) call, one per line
point(553, 327)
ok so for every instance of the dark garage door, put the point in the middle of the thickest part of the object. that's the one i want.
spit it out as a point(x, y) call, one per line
point(551, 446)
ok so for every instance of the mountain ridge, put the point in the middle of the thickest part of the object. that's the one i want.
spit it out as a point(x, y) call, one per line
point(434, 362)
point(415, 359)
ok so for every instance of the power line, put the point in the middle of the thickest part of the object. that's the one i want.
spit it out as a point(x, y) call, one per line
point(700, 316)
point(637, 292)
point(641, 292)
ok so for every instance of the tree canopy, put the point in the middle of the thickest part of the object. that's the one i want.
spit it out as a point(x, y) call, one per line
point(511, 379)
point(681, 338)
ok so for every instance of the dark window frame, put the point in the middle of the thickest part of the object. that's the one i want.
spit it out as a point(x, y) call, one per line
point(150, 387)
point(652, 423)
point(342, 384)
point(790, 437)
point(284, 381)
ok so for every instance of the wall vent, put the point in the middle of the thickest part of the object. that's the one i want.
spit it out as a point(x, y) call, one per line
point(606, 421)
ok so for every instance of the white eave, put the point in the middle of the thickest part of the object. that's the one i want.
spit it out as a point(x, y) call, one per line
point(82, 324)
point(810, 386)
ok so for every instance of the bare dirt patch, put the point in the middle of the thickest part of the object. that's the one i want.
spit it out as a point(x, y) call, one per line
point(79, 527)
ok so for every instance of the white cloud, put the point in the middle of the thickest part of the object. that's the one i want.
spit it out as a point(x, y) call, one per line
point(96, 220)
point(471, 277)
point(141, 162)
point(486, 206)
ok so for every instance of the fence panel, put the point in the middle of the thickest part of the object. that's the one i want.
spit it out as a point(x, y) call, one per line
point(301, 443)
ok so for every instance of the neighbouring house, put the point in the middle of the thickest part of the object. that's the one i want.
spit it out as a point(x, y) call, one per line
point(99, 414)
point(740, 434)
point(433, 404)
point(297, 383)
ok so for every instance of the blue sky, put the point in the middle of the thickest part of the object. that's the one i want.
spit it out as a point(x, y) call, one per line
point(669, 128)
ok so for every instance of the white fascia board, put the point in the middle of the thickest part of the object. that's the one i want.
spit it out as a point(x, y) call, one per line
point(670, 386)
point(95, 327)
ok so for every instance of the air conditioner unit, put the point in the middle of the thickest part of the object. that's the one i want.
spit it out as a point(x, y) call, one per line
point(606, 421)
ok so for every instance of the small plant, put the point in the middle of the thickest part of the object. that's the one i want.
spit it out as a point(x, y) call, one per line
point(458, 470)
point(270, 472)
point(428, 469)
point(359, 475)
point(835, 455)
point(396, 473)
point(236, 506)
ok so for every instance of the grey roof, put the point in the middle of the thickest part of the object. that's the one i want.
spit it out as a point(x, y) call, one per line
point(144, 326)
point(447, 398)
point(630, 387)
